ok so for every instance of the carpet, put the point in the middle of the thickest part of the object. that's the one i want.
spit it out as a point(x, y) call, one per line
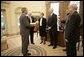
point(33, 49)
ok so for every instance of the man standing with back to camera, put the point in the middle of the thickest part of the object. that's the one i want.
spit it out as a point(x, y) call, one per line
point(25, 31)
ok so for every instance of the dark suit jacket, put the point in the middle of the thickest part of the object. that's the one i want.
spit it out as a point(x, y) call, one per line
point(32, 21)
point(43, 22)
point(52, 22)
point(42, 29)
point(24, 25)
point(72, 27)
point(31, 18)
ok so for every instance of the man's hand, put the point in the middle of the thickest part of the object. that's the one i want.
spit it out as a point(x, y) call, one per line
point(48, 28)
point(37, 22)
point(32, 24)
point(66, 40)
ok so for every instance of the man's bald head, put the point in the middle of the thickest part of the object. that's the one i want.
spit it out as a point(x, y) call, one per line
point(50, 10)
point(30, 13)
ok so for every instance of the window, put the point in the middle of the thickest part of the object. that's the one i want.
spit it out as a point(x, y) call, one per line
point(55, 7)
point(18, 13)
point(17, 17)
point(2, 21)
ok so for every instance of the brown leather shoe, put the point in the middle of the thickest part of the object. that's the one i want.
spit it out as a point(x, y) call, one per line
point(50, 45)
point(41, 42)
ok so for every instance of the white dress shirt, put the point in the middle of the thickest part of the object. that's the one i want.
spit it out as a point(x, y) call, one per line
point(41, 22)
point(30, 19)
point(58, 24)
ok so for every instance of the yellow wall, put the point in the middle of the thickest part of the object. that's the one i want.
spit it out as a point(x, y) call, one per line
point(13, 8)
point(11, 23)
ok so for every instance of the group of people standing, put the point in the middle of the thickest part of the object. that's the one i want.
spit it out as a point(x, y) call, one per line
point(26, 29)
point(71, 29)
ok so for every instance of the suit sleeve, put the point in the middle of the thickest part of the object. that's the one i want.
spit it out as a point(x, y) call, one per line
point(44, 23)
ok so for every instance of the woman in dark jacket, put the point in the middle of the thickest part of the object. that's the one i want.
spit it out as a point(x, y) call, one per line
point(42, 27)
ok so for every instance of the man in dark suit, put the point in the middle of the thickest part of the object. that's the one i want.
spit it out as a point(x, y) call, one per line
point(52, 26)
point(32, 29)
point(72, 30)
point(24, 31)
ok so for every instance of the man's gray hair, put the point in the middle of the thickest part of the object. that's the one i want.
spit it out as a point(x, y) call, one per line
point(74, 6)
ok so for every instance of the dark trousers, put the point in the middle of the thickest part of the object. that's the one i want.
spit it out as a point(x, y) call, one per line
point(53, 37)
point(42, 32)
point(25, 43)
point(31, 34)
point(71, 49)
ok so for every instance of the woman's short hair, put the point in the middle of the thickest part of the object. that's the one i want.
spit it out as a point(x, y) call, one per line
point(23, 9)
point(42, 13)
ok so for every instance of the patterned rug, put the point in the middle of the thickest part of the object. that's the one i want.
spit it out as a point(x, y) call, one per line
point(33, 49)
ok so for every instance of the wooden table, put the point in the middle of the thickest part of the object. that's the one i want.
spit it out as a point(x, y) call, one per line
point(60, 38)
